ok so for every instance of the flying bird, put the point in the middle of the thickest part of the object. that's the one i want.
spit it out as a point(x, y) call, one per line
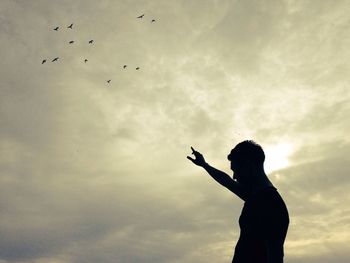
point(137, 68)
point(91, 41)
point(70, 26)
point(43, 61)
point(71, 42)
point(124, 66)
point(109, 80)
point(55, 59)
point(141, 16)
point(153, 20)
point(85, 60)
point(56, 28)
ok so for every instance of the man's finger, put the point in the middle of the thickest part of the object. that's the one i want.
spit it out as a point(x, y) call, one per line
point(190, 158)
point(193, 151)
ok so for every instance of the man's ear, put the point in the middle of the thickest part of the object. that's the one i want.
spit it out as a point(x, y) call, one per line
point(249, 166)
point(246, 163)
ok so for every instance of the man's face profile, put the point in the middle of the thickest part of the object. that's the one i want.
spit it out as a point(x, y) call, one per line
point(233, 163)
point(237, 167)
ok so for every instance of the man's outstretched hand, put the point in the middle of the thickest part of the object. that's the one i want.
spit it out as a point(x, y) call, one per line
point(199, 159)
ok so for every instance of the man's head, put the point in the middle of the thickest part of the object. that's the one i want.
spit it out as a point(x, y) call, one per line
point(245, 156)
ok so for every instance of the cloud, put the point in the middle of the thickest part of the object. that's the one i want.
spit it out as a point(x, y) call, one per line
point(315, 192)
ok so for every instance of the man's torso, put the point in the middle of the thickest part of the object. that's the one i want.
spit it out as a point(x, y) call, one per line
point(264, 222)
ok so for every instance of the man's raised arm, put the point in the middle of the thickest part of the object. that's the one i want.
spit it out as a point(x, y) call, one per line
point(219, 176)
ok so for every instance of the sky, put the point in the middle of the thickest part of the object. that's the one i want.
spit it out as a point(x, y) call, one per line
point(92, 171)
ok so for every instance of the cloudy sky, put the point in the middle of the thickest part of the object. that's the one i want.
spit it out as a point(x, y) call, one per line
point(97, 172)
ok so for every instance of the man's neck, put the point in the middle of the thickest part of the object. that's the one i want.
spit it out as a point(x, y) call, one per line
point(261, 182)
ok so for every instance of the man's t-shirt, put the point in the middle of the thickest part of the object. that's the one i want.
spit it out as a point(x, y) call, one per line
point(264, 223)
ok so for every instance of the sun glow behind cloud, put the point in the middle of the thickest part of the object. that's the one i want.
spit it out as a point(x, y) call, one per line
point(277, 156)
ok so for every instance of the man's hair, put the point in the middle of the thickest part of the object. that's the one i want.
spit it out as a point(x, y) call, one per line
point(247, 150)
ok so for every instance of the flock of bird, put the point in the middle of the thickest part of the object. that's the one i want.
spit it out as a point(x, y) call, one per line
point(89, 42)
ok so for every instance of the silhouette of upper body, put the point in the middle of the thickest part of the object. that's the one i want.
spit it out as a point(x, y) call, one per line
point(264, 218)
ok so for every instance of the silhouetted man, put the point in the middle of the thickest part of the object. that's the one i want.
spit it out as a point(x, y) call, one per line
point(264, 218)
